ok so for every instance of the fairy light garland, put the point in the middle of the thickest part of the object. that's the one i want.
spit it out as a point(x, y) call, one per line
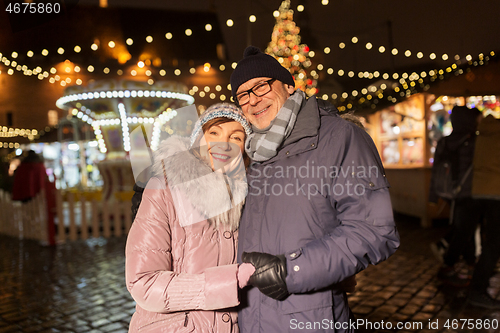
point(10, 132)
point(407, 85)
point(189, 31)
point(10, 145)
point(406, 81)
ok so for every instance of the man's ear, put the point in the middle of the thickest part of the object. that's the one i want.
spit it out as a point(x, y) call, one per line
point(289, 88)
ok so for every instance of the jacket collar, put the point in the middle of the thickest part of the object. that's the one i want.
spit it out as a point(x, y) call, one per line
point(205, 189)
point(307, 123)
point(304, 135)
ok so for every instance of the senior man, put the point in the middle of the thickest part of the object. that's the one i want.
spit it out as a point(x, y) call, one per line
point(318, 208)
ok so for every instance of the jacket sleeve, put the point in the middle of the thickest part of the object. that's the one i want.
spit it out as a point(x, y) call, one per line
point(148, 263)
point(365, 231)
point(438, 155)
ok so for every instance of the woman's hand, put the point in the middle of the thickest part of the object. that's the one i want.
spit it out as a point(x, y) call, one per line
point(244, 272)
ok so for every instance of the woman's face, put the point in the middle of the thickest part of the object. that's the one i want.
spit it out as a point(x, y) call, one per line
point(222, 144)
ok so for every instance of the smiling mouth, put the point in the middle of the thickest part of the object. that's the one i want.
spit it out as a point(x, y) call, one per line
point(260, 112)
point(220, 157)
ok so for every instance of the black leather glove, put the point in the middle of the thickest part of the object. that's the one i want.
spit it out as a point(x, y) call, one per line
point(140, 184)
point(137, 198)
point(270, 274)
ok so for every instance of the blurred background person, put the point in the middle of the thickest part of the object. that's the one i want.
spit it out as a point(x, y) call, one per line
point(29, 178)
point(486, 190)
point(454, 154)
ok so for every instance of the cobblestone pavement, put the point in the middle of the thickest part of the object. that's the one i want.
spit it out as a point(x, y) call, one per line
point(80, 287)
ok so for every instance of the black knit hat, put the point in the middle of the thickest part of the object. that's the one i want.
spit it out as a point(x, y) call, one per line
point(257, 64)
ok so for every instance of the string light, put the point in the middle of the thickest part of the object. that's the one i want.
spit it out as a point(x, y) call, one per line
point(230, 22)
point(408, 82)
point(10, 132)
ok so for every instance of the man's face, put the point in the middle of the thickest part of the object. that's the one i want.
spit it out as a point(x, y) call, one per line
point(260, 111)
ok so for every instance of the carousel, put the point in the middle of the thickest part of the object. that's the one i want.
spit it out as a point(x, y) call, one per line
point(129, 118)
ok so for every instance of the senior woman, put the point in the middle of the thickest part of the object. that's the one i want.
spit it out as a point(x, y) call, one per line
point(181, 250)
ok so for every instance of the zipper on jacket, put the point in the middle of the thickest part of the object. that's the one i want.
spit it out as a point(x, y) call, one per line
point(186, 320)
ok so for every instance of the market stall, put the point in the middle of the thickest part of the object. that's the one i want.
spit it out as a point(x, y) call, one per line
point(406, 136)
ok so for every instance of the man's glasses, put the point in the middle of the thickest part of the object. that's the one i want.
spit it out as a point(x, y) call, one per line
point(258, 90)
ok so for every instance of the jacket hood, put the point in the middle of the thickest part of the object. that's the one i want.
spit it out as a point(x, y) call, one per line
point(216, 196)
point(463, 119)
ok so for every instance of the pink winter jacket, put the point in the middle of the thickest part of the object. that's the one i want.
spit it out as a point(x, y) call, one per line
point(183, 275)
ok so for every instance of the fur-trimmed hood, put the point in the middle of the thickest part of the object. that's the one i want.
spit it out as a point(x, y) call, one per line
point(214, 195)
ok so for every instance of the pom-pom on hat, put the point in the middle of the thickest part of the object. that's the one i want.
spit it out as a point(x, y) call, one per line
point(220, 110)
point(257, 64)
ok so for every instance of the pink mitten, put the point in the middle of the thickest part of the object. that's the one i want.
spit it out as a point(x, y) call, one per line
point(244, 272)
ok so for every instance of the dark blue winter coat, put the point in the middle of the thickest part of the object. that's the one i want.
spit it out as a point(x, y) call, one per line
point(324, 202)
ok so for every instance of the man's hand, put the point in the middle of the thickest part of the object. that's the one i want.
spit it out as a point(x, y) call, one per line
point(270, 274)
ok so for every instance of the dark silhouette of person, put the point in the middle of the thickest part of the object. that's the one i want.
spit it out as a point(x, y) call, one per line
point(486, 191)
point(465, 213)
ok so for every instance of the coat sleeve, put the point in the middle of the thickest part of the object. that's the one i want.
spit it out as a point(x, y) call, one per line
point(365, 232)
point(438, 156)
point(148, 263)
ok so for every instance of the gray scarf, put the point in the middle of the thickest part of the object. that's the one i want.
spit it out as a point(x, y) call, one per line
point(263, 145)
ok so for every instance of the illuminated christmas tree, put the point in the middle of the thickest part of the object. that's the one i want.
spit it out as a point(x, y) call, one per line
point(285, 46)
